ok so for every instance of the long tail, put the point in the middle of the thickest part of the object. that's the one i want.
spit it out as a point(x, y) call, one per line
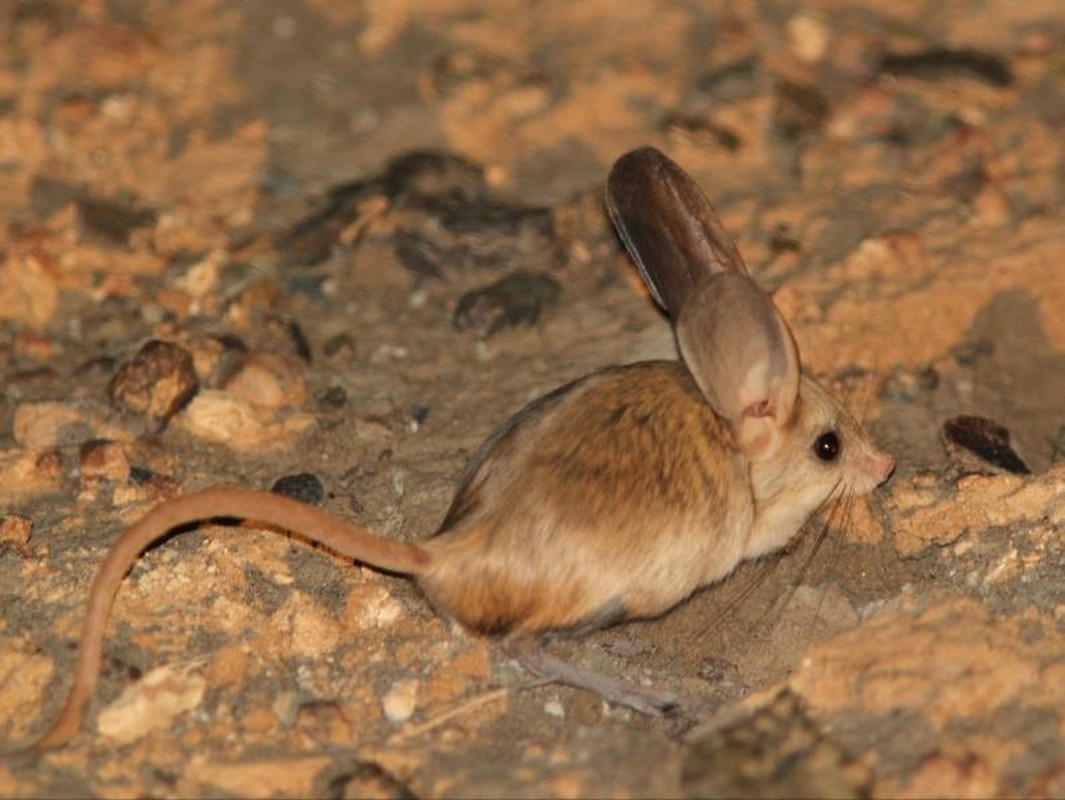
point(220, 501)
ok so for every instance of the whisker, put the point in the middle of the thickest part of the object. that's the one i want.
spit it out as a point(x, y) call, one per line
point(836, 493)
point(752, 583)
point(846, 510)
point(748, 586)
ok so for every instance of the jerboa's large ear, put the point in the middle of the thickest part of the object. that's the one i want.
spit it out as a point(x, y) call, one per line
point(743, 357)
point(668, 226)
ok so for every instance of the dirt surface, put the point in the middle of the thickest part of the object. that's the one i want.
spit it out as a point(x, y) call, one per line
point(340, 243)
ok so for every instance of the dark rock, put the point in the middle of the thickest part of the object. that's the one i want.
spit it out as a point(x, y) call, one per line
point(301, 486)
point(518, 299)
point(157, 382)
point(985, 439)
point(942, 63)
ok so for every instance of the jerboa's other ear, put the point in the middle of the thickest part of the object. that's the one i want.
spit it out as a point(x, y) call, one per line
point(668, 226)
point(743, 357)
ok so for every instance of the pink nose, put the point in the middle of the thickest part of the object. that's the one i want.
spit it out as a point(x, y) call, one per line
point(881, 466)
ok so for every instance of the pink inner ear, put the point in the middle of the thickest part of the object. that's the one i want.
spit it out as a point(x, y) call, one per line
point(761, 408)
point(755, 436)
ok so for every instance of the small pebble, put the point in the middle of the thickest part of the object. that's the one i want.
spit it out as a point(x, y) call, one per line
point(218, 416)
point(50, 423)
point(399, 480)
point(286, 707)
point(101, 459)
point(49, 464)
point(146, 487)
point(977, 442)
point(554, 708)
point(808, 37)
point(157, 382)
point(302, 486)
point(140, 475)
point(15, 532)
point(268, 381)
point(518, 299)
point(400, 701)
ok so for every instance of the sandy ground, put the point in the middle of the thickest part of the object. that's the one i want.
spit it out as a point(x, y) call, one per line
point(245, 241)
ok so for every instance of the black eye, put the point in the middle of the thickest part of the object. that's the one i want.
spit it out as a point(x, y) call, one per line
point(826, 447)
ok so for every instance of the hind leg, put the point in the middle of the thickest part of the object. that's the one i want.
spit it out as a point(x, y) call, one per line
point(529, 651)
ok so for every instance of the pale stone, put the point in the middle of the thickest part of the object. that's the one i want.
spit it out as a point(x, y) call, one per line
point(105, 460)
point(808, 37)
point(28, 473)
point(153, 702)
point(400, 701)
point(47, 423)
point(372, 605)
point(220, 417)
point(29, 289)
point(268, 381)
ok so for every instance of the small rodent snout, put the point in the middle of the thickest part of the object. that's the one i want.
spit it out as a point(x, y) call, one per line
point(880, 466)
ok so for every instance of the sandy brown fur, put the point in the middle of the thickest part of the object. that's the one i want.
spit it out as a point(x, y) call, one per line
point(520, 557)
